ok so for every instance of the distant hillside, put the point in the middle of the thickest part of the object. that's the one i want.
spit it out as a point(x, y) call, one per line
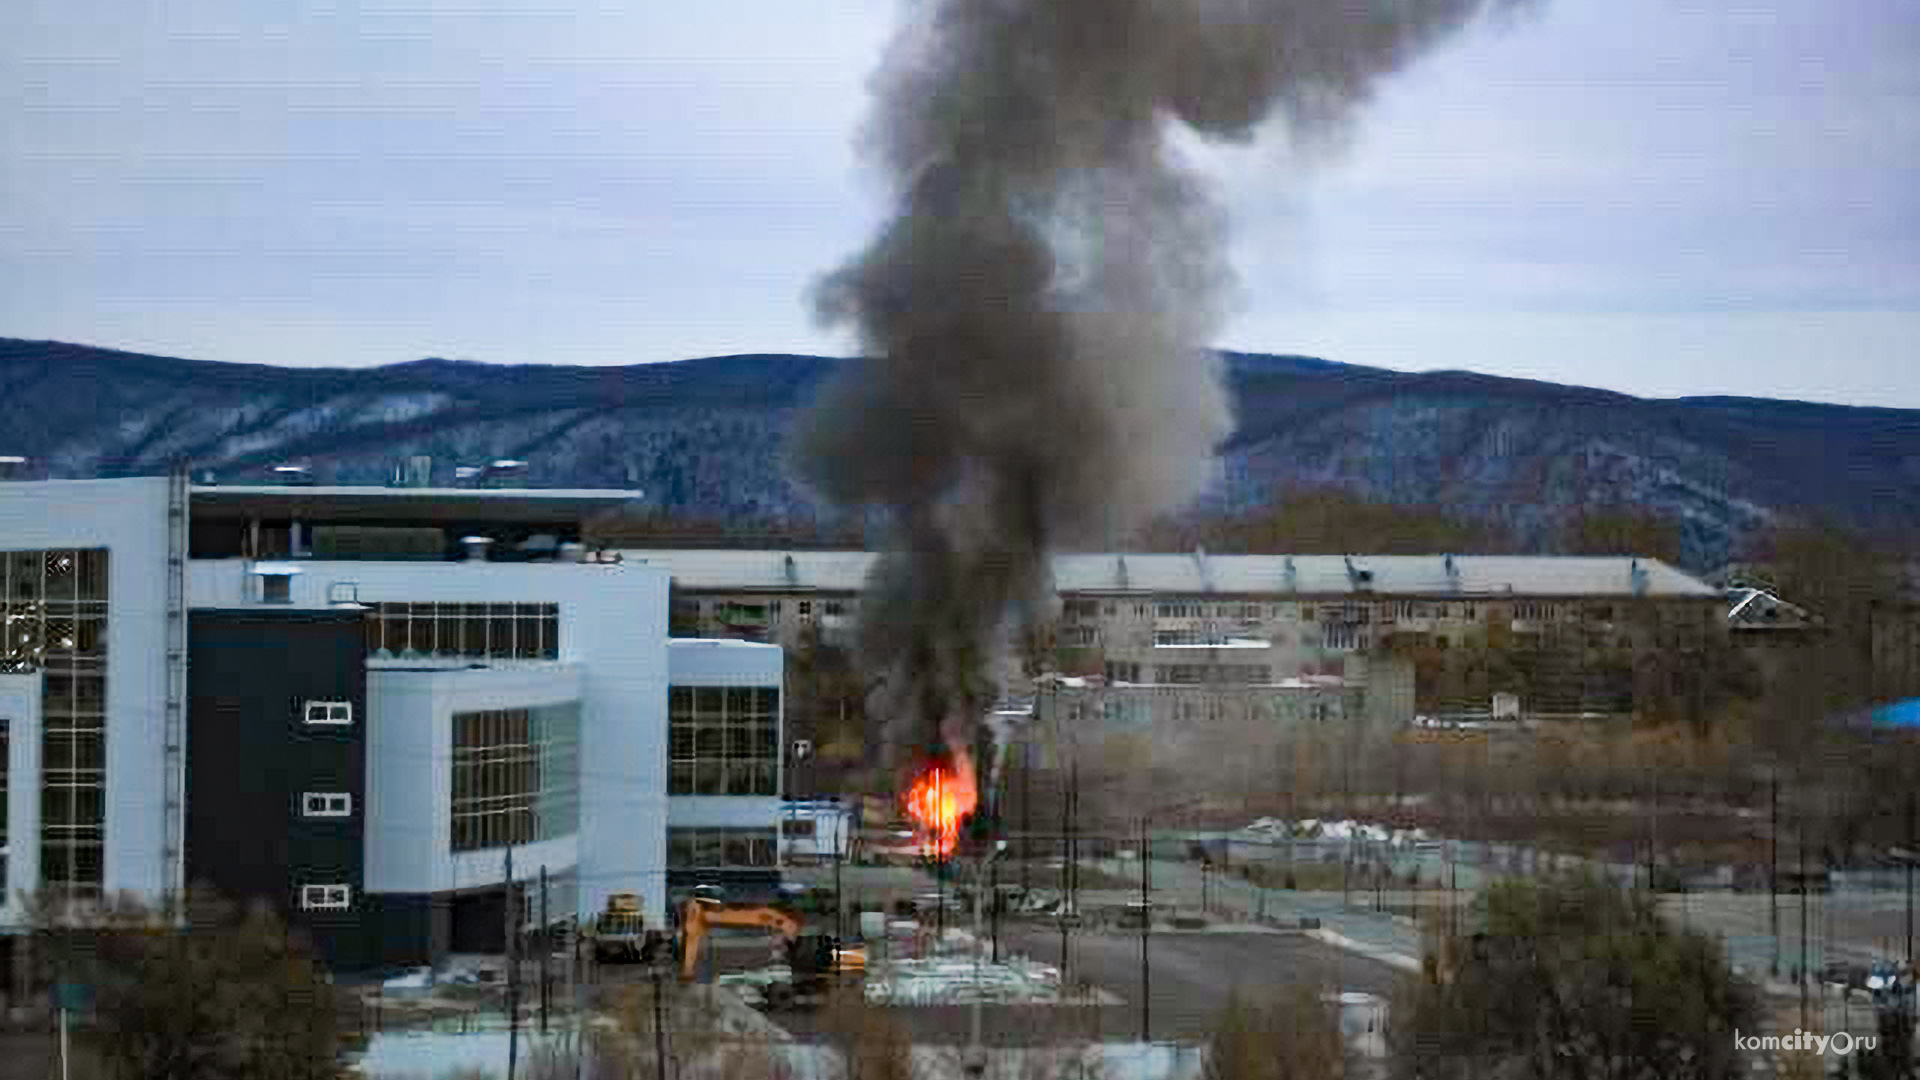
point(704, 436)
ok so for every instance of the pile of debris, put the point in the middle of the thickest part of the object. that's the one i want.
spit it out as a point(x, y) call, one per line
point(939, 980)
point(754, 986)
point(954, 981)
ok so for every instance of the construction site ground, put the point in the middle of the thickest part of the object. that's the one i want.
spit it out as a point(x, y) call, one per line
point(1192, 973)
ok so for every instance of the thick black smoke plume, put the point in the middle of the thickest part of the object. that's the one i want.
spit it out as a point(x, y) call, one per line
point(1036, 311)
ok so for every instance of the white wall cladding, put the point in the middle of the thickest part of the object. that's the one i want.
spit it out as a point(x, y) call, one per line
point(20, 708)
point(410, 774)
point(128, 518)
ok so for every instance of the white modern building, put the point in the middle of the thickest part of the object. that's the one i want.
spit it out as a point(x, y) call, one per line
point(360, 704)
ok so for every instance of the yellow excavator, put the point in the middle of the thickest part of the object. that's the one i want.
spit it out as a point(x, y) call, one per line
point(817, 961)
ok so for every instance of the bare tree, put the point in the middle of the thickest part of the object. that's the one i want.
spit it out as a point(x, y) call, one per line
point(206, 992)
point(1294, 1035)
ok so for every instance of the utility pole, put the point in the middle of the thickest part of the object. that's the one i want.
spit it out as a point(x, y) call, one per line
point(1773, 870)
point(1066, 873)
point(546, 951)
point(1146, 931)
point(573, 983)
point(1653, 834)
point(993, 912)
point(1026, 810)
point(1073, 835)
point(839, 897)
point(1913, 845)
point(1379, 873)
point(1803, 924)
point(1346, 868)
point(1453, 885)
point(513, 971)
point(659, 1025)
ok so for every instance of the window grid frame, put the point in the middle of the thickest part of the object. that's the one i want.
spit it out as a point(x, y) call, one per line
point(330, 804)
point(714, 847)
point(54, 620)
point(332, 712)
point(723, 741)
point(326, 896)
point(472, 630)
point(515, 776)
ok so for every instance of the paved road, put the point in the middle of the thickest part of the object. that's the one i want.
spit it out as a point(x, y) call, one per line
point(1194, 974)
point(1855, 927)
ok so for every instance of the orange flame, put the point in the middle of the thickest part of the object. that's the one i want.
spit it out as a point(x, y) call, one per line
point(939, 799)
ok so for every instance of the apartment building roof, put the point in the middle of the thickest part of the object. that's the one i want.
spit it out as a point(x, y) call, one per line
point(1192, 573)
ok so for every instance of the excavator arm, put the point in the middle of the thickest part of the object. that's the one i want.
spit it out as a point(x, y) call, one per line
point(701, 916)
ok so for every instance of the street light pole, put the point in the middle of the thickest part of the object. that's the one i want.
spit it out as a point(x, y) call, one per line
point(976, 1063)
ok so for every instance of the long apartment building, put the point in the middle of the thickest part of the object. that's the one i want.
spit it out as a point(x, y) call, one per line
point(1187, 637)
point(358, 704)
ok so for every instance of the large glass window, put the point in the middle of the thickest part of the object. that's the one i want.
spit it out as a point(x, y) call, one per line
point(516, 775)
point(707, 848)
point(53, 619)
point(723, 740)
point(499, 631)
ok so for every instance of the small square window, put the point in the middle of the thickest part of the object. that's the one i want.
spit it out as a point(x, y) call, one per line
point(329, 712)
point(326, 804)
point(276, 588)
point(325, 897)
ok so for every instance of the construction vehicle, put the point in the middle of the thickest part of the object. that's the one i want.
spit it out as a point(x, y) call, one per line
point(620, 932)
point(817, 962)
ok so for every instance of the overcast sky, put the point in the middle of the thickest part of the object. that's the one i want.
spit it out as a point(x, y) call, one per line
point(1657, 196)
